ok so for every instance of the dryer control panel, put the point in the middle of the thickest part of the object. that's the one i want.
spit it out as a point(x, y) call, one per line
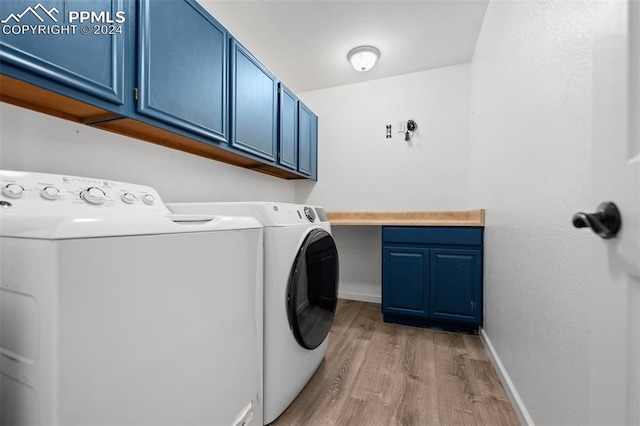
point(289, 214)
point(50, 194)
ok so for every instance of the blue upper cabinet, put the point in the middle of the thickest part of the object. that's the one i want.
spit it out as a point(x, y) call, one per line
point(164, 71)
point(298, 140)
point(59, 46)
point(307, 141)
point(254, 105)
point(288, 129)
point(182, 67)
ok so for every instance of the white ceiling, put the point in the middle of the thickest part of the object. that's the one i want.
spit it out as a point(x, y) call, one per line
point(305, 42)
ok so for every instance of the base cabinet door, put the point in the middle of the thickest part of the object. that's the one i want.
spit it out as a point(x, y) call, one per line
point(405, 270)
point(183, 66)
point(455, 284)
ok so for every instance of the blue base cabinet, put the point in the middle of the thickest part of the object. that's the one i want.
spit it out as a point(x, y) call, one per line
point(432, 276)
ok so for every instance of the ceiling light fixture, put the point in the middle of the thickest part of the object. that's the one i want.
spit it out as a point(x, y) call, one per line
point(363, 58)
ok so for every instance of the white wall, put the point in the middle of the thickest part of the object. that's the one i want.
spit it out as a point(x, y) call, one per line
point(530, 168)
point(36, 142)
point(360, 169)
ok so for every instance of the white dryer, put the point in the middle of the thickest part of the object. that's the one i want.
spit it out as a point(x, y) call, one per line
point(300, 292)
point(115, 311)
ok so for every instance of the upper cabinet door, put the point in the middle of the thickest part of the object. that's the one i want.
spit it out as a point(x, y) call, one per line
point(254, 105)
point(288, 140)
point(307, 141)
point(182, 67)
point(48, 44)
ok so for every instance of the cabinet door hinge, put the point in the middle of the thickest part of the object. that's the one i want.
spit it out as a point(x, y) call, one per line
point(135, 93)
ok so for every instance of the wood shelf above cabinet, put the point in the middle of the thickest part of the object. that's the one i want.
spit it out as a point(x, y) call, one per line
point(415, 218)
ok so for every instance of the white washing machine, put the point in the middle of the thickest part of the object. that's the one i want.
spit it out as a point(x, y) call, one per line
point(300, 292)
point(113, 311)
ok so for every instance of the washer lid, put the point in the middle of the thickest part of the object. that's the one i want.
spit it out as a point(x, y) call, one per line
point(50, 206)
point(63, 227)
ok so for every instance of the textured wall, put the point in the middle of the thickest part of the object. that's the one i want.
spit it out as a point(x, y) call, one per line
point(360, 169)
point(36, 142)
point(530, 168)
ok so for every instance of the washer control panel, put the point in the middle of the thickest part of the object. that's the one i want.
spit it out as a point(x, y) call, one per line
point(43, 193)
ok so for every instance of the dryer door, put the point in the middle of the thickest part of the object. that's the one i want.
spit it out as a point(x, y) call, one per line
point(313, 289)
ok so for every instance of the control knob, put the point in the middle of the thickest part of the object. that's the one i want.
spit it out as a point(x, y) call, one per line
point(310, 214)
point(50, 193)
point(128, 198)
point(93, 195)
point(148, 199)
point(13, 190)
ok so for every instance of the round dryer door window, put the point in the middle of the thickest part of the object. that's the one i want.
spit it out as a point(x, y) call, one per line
point(313, 289)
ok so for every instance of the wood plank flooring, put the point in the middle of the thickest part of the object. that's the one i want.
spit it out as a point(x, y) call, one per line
point(376, 373)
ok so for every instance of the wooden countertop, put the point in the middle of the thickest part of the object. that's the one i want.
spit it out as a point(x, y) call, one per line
point(424, 218)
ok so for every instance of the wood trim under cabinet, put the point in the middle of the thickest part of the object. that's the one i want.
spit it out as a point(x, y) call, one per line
point(25, 95)
point(146, 132)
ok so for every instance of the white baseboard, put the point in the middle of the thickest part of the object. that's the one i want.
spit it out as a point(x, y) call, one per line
point(359, 297)
point(514, 397)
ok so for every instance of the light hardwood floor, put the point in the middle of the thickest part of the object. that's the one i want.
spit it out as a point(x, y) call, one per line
point(376, 373)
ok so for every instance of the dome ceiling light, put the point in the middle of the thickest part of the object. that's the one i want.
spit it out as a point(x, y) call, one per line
point(363, 58)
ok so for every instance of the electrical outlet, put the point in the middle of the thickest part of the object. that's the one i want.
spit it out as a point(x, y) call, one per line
point(402, 126)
